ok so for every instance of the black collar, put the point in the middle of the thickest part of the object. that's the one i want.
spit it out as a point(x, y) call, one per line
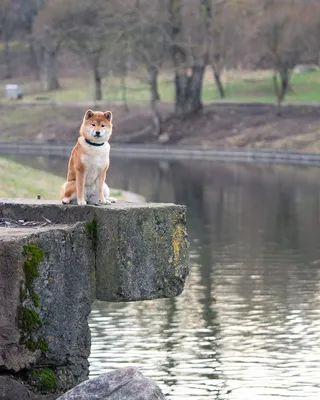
point(94, 144)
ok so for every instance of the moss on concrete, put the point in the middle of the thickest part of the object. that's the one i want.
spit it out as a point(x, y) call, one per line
point(34, 255)
point(29, 320)
point(92, 232)
point(43, 379)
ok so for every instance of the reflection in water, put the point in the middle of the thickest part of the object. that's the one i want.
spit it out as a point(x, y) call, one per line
point(247, 325)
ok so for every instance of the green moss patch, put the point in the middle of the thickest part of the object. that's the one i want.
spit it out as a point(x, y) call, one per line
point(43, 379)
point(29, 320)
point(92, 232)
point(34, 255)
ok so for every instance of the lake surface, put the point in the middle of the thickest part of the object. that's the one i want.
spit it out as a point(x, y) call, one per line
point(248, 323)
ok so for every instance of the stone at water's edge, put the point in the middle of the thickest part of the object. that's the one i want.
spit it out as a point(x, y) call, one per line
point(50, 274)
point(12, 389)
point(141, 249)
point(47, 326)
point(144, 254)
point(122, 384)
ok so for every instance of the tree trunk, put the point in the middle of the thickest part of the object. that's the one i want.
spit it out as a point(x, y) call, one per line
point(219, 84)
point(284, 83)
point(277, 92)
point(97, 83)
point(34, 59)
point(188, 81)
point(153, 83)
point(281, 88)
point(49, 71)
point(123, 84)
point(188, 88)
point(6, 56)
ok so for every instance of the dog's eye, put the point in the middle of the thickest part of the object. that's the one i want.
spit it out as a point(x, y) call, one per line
point(93, 124)
point(102, 126)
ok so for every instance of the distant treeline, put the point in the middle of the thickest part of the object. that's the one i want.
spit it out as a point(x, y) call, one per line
point(184, 36)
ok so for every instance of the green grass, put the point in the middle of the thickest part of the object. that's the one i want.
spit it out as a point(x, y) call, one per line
point(254, 86)
point(15, 45)
point(20, 122)
point(24, 122)
point(22, 181)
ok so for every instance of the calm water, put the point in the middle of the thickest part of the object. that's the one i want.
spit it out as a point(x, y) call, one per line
point(248, 323)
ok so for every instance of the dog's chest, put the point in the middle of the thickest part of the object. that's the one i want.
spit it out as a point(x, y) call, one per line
point(95, 160)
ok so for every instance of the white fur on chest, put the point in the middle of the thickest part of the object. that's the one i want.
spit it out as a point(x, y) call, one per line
point(95, 159)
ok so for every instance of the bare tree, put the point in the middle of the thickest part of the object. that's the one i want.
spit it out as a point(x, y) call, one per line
point(88, 30)
point(224, 32)
point(150, 42)
point(281, 35)
point(7, 24)
point(26, 12)
point(47, 40)
point(190, 37)
point(311, 20)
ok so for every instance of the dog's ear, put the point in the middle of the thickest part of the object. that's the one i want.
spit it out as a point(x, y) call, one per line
point(88, 114)
point(108, 115)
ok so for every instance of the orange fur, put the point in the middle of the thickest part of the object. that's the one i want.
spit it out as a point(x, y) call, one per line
point(88, 164)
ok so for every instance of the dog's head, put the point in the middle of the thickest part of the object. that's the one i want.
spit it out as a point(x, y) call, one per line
point(97, 126)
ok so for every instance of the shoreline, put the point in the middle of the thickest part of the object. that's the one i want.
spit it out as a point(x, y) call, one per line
point(267, 156)
point(218, 127)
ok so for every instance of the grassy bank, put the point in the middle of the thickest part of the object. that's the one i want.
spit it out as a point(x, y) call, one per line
point(22, 181)
point(229, 125)
point(235, 126)
point(244, 86)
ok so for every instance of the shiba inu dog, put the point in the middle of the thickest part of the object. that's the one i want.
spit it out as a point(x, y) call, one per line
point(89, 162)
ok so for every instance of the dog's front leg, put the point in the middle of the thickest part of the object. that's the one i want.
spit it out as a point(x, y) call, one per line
point(80, 183)
point(102, 178)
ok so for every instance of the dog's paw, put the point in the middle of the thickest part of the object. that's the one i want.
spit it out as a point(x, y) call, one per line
point(82, 202)
point(112, 199)
point(105, 201)
point(66, 200)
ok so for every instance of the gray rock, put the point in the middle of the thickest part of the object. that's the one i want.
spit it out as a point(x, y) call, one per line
point(61, 336)
point(164, 138)
point(12, 389)
point(13, 356)
point(65, 288)
point(122, 384)
point(142, 250)
point(123, 252)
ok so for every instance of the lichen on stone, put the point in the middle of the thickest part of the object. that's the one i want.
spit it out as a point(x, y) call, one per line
point(177, 242)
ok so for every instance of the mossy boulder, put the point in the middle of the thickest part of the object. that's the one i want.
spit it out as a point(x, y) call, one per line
point(49, 276)
point(46, 280)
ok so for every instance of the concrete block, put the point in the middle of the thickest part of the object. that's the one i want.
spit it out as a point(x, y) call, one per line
point(50, 272)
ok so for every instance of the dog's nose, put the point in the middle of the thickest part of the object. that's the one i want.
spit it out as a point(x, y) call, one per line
point(97, 133)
